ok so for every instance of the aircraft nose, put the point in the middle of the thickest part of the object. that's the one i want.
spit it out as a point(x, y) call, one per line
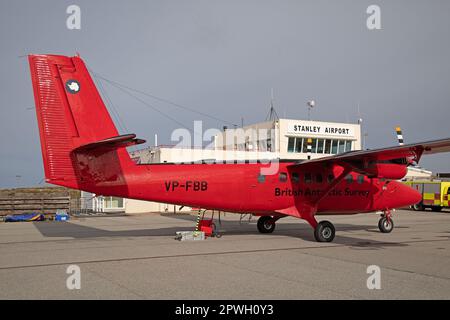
point(401, 195)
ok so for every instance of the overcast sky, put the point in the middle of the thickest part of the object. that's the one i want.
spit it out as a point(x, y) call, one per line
point(222, 57)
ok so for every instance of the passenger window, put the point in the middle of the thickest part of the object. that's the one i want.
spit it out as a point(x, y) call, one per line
point(360, 179)
point(282, 176)
point(330, 178)
point(349, 178)
point(261, 178)
point(319, 178)
point(295, 177)
point(308, 178)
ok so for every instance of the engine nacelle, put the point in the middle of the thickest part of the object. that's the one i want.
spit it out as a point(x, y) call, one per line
point(389, 171)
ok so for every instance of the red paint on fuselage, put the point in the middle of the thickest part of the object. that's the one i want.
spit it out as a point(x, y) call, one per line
point(236, 187)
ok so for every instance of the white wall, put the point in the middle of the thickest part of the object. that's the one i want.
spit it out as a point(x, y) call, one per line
point(138, 206)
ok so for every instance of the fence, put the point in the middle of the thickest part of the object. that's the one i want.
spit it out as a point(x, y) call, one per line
point(46, 205)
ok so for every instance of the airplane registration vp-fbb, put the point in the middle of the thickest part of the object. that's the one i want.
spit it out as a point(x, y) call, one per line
point(82, 149)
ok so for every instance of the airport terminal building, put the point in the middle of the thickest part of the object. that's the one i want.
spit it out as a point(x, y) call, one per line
point(287, 138)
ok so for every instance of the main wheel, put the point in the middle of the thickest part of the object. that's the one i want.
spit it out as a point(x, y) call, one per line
point(324, 232)
point(266, 224)
point(418, 207)
point(385, 225)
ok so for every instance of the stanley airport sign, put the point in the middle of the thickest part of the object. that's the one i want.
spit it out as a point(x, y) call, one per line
point(322, 129)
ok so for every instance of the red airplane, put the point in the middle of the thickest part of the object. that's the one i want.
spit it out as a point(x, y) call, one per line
point(82, 149)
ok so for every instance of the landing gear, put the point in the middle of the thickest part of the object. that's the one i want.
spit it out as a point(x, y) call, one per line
point(266, 224)
point(418, 207)
point(324, 232)
point(386, 224)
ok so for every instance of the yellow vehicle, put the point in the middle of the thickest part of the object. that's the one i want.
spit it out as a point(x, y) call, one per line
point(435, 194)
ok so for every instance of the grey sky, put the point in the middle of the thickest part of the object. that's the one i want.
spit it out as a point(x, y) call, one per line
point(222, 58)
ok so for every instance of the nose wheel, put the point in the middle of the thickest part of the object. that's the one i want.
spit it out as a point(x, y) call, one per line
point(324, 232)
point(386, 224)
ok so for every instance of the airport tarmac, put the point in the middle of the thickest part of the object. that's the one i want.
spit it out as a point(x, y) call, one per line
point(136, 257)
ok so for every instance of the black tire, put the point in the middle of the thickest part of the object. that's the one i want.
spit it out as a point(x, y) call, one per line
point(214, 231)
point(324, 232)
point(418, 207)
point(385, 226)
point(266, 224)
point(436, 209)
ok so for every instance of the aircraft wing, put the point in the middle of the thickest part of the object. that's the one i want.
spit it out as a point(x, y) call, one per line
point(411, 152)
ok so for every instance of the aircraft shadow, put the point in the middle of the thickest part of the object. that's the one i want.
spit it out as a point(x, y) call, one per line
point(226, 228)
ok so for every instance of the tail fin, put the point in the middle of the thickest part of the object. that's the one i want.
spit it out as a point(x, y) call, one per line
point(71, 114)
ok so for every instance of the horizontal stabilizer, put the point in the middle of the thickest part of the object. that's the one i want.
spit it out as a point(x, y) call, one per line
point(122, 141)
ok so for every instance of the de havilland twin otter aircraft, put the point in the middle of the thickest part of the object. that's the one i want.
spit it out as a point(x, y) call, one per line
point(82, 149)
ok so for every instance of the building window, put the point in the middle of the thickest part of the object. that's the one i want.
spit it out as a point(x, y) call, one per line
point(320, 145)
point(327, 146)
point(305, 145)
point(341, 148)
point(334, 147)
point(269, 144)
point(291, 144)
point(113, 203)
point(314, 146)
point(298, 145)
point(282, 176)
point(348, 145)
